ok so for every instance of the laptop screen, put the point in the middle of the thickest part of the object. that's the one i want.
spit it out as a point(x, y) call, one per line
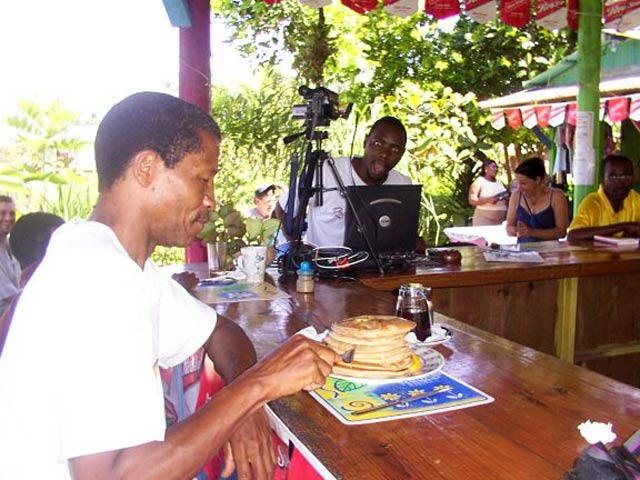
point(389, 214)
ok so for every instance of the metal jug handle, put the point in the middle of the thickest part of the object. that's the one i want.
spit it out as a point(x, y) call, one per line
point(426, 293)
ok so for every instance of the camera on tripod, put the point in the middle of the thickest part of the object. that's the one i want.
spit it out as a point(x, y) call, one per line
point(320, 108)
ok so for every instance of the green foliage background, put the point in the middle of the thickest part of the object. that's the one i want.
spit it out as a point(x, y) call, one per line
point(429, 77)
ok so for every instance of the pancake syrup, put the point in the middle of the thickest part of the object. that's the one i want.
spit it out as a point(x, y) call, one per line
point(414, 303)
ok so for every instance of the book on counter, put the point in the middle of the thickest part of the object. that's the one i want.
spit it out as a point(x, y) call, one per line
point(618, 241)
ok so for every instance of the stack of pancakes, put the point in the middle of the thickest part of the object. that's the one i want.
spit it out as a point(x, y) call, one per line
point(381, 350)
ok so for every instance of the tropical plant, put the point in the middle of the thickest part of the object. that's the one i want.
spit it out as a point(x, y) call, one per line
point(261, 232)
point(168, 255)
point(44, 133)
point(74, 199)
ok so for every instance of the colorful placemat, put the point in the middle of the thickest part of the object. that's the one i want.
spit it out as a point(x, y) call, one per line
point(239, 292)
point(343, 398)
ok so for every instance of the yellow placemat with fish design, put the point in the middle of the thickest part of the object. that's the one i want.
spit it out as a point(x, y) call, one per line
point(344, 398)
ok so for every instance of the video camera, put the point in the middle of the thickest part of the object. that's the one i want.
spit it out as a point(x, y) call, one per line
point(321, 107)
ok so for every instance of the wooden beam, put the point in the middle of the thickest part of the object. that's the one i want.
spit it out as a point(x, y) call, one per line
point(178, 12)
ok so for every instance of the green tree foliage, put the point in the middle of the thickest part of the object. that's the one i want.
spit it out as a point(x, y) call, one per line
point(253, 124)
point(43, 132)
point(40, 166)
point(428, 77)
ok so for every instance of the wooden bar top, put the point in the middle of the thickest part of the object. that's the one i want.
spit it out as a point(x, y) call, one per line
point(528, 432)
point(561, 260)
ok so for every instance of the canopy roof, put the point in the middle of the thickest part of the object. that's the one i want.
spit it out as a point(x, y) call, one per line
point(550, 98)
point(614, 87)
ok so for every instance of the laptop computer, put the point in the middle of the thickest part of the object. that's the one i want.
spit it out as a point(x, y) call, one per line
point(389, 214)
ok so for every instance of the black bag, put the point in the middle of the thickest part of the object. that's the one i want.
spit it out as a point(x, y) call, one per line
point(598, 463)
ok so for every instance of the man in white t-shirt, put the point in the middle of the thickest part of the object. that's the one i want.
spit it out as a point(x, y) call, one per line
point(81, 391)
point(383, 148)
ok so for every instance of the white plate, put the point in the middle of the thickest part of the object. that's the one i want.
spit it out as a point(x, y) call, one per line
point(439, 335)
point(432, 362)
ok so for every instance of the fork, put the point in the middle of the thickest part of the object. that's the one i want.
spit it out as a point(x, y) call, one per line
point(347, 355)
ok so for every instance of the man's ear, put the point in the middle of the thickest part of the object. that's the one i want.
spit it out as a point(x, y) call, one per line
point(144, 166)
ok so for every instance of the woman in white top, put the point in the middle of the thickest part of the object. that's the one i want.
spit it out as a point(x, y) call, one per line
point(489, 196)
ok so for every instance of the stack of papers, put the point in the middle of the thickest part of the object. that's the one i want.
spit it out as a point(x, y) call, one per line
point(618, 241)
point(509, 256)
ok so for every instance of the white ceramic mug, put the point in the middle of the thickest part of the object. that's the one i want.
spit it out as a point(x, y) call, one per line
point(253, 262)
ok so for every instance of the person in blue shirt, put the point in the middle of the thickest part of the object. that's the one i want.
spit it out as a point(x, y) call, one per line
point(536, 211)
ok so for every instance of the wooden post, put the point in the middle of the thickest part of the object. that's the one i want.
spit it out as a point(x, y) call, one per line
point(588, 144)
point(195, 80)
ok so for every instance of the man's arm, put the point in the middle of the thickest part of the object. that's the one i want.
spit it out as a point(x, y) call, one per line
point(628, 229)
point(230, 349)
point(298, 364)
point(233, 353)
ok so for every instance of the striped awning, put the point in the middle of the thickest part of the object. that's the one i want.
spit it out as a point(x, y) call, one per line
point(619, 99)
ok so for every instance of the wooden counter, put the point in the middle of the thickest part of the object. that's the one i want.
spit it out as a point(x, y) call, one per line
point(529, 432)
point(579, 304)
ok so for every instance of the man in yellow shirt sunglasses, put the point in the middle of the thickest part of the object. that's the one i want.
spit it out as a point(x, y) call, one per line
point(614, 209)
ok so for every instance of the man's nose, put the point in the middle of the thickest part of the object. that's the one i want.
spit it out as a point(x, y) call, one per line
point(209, 199)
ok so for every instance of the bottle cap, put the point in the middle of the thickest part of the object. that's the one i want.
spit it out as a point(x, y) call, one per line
point(305, 268)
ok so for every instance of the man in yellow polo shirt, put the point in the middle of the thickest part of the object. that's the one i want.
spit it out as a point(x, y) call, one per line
point(614, 209)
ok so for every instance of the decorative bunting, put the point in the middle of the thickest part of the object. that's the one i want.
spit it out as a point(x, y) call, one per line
point(618, 109)
point(497, 118)
point(401, 8)
point(315, 3)
point(442, 9)
point(543, 113)
point(272, 2)
point(482, 11)
point(630, 20)
point(572, 14)
point(615, 10)
point(529, 116)
point(514, 119)
point(571, 113)
point(360, 6)
point(551, 14)
point(558, 114)
point(634, 109)
point(516, 13)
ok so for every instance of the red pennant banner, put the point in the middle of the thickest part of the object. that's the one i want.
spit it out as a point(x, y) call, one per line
point(617, 9)
point(618, 108)
point(516, 13)
point(272, 2)
point(571, 114)
point(442, 9)
point(360, 6)
point(514, 119)
point(551, 14)
point(543, 113)
point(572, 14)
